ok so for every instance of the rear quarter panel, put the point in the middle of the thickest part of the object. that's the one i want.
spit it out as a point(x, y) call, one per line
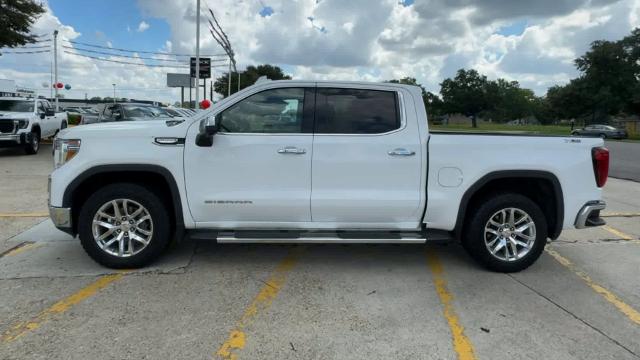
point(475, 156)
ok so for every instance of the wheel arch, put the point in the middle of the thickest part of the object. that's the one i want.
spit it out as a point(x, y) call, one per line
point(157, 177)
point(512, 180)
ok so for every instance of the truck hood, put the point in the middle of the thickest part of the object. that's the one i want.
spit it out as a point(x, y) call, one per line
point(129, 129)
point(14, 115)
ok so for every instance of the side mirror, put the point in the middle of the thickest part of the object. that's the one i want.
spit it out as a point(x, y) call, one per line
point(49, 112)
point(208, 128)
point(117, 116)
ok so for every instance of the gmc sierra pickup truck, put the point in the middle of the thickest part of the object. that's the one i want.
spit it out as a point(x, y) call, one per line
point(330, 162)
point(24, 121)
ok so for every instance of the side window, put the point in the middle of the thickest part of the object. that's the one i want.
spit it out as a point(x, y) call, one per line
point(41, 107)
point(270, 111)
point(355, 111)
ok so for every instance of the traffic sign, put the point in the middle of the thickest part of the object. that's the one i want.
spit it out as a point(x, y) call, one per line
point(205, 68)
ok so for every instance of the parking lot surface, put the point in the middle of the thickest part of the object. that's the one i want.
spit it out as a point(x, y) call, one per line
point(202, 300)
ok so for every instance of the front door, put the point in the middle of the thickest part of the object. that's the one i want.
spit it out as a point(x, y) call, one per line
point(258, 171)
point(367, 166)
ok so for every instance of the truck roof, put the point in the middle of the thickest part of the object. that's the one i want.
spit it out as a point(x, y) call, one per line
point(339, 82)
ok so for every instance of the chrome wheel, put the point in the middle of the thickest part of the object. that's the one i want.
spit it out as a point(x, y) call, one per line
point(35, 142)
point(122, 227)
point(509, 234)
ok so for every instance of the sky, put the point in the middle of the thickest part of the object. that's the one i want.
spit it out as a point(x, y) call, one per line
point(532, 42)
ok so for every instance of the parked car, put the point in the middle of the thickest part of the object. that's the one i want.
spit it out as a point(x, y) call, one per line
point(333, 162)
point(180, 111)
point(25, 121)
point(127, 112)
point(603, 131)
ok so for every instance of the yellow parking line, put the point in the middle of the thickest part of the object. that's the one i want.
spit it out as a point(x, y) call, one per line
point(619, 214)
point(20, 215)
point(618, 233)
point(60, 307)
point(623, 307)
point(237, 337)
point(20, 248)
point(461, 343)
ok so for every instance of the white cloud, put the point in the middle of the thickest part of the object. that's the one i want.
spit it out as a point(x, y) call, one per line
point(428, 40)
point(143, 26)
point(361, 40)
point(85, 75)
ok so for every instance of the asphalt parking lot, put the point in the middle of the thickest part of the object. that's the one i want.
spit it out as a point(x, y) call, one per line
point(581, 300)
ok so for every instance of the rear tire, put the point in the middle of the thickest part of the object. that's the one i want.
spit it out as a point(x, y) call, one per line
point(111, 237)
point(497, 236)
point(33, 145)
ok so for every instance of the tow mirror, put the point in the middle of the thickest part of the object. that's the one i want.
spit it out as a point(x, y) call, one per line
point(208, 128)
point(49, 112)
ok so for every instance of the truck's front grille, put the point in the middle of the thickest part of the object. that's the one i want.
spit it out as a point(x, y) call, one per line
point(6, 126)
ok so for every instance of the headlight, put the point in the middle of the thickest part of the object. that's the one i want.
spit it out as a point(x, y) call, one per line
point(64, 150)
point(21, 124)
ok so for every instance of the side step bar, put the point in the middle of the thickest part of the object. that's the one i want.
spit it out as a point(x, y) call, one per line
point(321, 237)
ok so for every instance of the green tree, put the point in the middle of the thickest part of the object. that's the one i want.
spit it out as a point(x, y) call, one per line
point(432, 102)
point(248, 78)
point(609, 82)
point(508, 101)
point(16, 17)
point(465, 94)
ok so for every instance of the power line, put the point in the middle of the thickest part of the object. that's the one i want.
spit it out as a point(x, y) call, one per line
point(27, 47)
point(25, 52)
point(132, 63)
point(125, 56)
point(125, 62)
point(138, 51)
point(128, 56)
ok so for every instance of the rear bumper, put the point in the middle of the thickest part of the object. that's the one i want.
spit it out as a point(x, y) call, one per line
point(589, 215)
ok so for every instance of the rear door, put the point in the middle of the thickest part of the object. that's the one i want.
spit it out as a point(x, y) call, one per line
point(366, 158)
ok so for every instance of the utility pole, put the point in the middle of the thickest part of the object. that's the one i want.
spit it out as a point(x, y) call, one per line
point(197, 51)
point(55, 64)
point(114, 93)
point(229, 87)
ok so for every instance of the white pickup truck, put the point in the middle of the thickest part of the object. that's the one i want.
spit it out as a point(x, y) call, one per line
point(25, 121)
point(331, 162)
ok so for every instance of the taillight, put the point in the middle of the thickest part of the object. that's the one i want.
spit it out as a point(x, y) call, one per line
point(600, 158)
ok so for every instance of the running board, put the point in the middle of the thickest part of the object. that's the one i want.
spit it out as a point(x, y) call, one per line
point(321, 237)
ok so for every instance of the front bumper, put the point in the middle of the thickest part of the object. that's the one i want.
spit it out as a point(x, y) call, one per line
point(14, 139)
point(61, 217)
point(589, 215)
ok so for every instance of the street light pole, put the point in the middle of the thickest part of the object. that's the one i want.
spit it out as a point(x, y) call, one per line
point(55, 64)
point(114, 93)
point(197, 51)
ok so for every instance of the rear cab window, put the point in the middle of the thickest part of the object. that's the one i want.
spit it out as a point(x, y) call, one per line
point(356, 111)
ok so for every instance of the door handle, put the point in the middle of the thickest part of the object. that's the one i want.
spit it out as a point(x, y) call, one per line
point(401, 152)
point(291, 150)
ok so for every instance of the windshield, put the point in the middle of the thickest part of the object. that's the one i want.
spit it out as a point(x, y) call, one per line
point(16, 105)
point(145, 112)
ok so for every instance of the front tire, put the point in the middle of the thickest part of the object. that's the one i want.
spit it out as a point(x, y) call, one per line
point(33, 145)
point(124, 225)
point(506, 233)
